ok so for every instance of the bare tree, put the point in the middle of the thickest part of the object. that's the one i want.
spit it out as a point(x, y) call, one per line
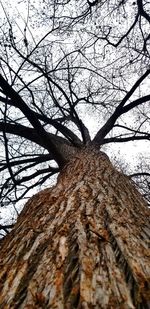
point(84, 242)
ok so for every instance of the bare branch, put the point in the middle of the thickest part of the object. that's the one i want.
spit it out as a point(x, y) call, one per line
point(119, 111)
point(11, 93)
point(126, 139)
point(141, 10)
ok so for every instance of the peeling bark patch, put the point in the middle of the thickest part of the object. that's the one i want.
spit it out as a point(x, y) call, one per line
point(63, 249)
point(32, 266)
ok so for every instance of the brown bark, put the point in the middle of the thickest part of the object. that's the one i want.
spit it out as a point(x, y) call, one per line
point(80, 244)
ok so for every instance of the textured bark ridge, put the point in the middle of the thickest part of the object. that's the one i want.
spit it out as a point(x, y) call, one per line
point(81, 244)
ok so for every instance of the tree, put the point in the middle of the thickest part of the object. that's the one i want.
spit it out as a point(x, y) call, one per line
point(84, 242)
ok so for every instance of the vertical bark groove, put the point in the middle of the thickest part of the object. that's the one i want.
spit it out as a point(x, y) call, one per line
point(81, 244)
point(71, 275)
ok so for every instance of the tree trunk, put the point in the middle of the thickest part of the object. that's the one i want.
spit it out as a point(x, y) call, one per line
point(80, 244)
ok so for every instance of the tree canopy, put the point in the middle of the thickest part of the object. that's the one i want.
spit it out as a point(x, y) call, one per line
point(72, 73)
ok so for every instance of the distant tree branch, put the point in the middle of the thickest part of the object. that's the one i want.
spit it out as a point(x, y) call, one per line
point(120, 109)
point(123, 36)
point(135, 131)
point(73, 138)
point(83, 129)
point(31, 135)
point(6, 146)
point(37, 160)
point(126, 139)
point(11, 93)
point(24, 179)
point(135, 103)
point(132, 90)
point(139, 174)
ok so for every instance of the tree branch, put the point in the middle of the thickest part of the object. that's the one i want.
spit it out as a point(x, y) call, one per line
point(139, 174)
point(30, 134)
point(120, 109)
point(135, 103)
point(37, 160)
point(141, 10)
point(73, 138)
point(125, 139)
point(11, 93)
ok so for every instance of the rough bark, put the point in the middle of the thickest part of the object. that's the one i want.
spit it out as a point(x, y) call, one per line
point(80, 244)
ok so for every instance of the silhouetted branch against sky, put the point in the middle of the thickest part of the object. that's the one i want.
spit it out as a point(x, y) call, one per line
point(72, 73)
